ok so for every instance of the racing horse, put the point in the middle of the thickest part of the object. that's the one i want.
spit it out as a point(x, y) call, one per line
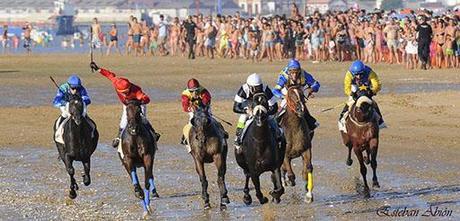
point(260, 151)
point(298, 139)
point(80, 141)
point(138, 148)
point(362, 134)
point(208, 144)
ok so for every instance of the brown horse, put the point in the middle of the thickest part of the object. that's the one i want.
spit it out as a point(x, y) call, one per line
point(362, 133)
point(298, 139)
point(208, 144)
point(138, 150)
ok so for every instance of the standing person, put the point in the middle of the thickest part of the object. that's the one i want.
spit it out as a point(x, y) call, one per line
point(424, 39)
point(5, 39)
point(126, 92)
point(391, 32)
point(144, 37)
point(113, 39)
point(129, 42)
point(27, 40)
point(137, 32)
point(211, 34)
point(162, 35)
point(190, 28)
point(174, 37)
point(96, 31)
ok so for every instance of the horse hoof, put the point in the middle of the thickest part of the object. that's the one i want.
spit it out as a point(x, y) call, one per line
point(247, 199)
point(72, 194)
point(138, 192)
point(223, 207)
point(263, 200)
point(308, 198)
point(86, 180)
point(276, 200)
point(349, 162)
point(376, 184)
point(367, 194)
point(225, 200)
point(155, 194)
point(146, 214)
point(207, 206)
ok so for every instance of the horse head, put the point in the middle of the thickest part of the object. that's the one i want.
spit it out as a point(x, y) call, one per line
point(259, 107)
point(364, 106)
point(295, 100)
point(76, 108)
point(133, 114)
point(201, 121)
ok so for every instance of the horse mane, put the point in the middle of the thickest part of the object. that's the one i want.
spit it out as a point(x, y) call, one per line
point(363, 99)
point(259, 108)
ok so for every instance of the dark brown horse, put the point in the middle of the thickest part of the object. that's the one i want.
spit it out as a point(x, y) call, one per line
point(208, 144)
point(298, 139)
point(138, 150)
point(363, 135)
point(80, 142)
point(261, 152)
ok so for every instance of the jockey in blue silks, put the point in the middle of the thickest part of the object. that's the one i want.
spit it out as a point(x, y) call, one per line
point(72, 86)
point(294, 75)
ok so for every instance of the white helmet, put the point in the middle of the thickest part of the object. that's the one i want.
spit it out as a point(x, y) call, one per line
point(254, 80)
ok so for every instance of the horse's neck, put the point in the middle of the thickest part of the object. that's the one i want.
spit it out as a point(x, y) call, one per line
point(293, 120)
point(259, 133)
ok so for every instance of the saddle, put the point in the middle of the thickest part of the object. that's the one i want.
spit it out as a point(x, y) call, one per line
point(58, 135)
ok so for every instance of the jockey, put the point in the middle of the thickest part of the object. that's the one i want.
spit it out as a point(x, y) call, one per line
point(252, 86)
point(127, 91)
point(294, 75)
point(193, 97)
point(361, 77)
point(72, 86)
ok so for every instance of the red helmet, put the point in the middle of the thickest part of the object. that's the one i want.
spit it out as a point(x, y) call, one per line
point(122, 85)
point(193, 84)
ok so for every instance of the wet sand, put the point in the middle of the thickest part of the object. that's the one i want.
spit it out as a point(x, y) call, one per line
point(418, 154)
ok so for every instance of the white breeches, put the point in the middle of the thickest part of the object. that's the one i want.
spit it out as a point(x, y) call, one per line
point(124, 116)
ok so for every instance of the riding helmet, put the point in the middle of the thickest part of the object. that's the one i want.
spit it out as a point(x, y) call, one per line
point(254, 80)
point(74, 81)
point(122, 85)
point(293, 64)
point(357, 67)
point(193, 84)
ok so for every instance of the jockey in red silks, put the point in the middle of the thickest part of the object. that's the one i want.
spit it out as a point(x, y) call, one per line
point(127, 91)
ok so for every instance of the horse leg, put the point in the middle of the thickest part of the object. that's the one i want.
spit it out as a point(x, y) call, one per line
point(86, 177)
point(221, 170)
point(131, 169)
point(359, 155)
point(247, 197)
point(349, 160)
point(199, 166)
point(256, 181)
point(278, 188)
point(148, 182)
point(71, 171)
point(367, 157)
point(308, 175)
point(375, 182)
point(290, 173)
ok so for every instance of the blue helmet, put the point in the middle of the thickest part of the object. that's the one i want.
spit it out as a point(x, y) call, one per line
point(293, 64)
point(74, 81)
point(357, 67)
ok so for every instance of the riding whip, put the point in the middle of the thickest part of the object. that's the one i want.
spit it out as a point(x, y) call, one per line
point(223, 120)
point(332, 108)
point(91, 46)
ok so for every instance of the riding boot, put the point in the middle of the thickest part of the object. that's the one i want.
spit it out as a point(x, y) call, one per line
point(238, 139)
point(183, 141)
point(311, 121)
point(155, 135)
point(116, 141)
point(381, 122)
point(345, 109)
